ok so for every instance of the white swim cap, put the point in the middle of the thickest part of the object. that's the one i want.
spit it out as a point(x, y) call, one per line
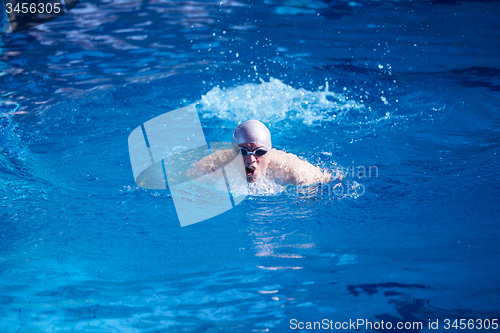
point(252, 131)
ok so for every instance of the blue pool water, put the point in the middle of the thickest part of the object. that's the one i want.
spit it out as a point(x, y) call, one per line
point(410, 89)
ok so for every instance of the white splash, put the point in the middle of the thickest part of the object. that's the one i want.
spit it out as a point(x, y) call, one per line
point(274, 101)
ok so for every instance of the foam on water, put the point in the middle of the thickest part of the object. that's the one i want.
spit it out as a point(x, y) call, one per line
point(274, 101)
point(283, 108)
point(265, 186)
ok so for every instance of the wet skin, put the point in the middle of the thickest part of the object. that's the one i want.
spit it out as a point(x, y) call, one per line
point(277, 165)
point(255, 166)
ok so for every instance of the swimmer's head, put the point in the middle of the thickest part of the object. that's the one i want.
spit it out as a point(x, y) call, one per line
point(255, 138)
point(252, 131)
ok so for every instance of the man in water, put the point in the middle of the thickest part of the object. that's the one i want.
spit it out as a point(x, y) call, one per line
point(253, 139)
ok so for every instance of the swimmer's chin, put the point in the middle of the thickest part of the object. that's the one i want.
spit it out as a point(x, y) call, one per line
point(251, 178)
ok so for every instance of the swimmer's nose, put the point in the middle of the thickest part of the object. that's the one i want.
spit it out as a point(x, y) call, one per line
point(248, 159)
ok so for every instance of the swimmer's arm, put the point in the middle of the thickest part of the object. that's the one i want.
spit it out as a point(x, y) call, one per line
point(210, 163)
point(292, 170)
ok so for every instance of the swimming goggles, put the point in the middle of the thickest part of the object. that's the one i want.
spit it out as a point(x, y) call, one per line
point(256, 152)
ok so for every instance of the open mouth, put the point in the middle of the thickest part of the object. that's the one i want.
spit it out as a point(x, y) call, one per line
point(250, 170)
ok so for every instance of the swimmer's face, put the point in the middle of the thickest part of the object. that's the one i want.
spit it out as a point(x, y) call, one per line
point(255, 166)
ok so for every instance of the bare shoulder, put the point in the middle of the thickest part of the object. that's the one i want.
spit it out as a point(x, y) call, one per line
point(293, 170)
point(279, 157)
point(216, 160)
point(222, 156)
point(210, 163)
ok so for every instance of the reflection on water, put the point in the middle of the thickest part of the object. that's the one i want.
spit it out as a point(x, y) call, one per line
point(107, 44)
point(100, 45)
point(82, 248)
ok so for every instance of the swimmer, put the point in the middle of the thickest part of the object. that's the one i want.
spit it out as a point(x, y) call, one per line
point(253, 140)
